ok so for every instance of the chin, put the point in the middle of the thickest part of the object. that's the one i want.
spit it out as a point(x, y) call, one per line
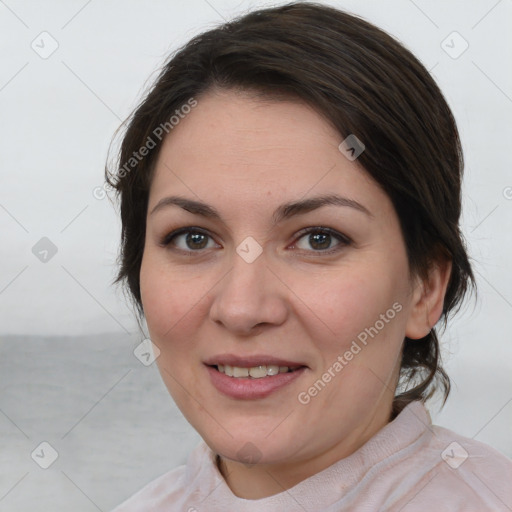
point(260, 448)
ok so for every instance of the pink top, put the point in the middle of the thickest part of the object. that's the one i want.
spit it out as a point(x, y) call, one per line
point(408, 466)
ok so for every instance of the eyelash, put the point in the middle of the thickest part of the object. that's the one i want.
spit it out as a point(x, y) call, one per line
point(343, 239)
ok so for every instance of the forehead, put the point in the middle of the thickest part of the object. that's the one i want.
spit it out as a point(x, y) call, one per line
point(234, 125)
point(233, 143)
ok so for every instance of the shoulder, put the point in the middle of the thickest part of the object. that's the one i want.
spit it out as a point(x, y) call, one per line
point(458, 473)
point(171, 491)
point(156, 493)
point(463, 453)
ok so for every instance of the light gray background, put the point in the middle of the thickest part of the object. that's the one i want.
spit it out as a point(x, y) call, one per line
point(68, 375)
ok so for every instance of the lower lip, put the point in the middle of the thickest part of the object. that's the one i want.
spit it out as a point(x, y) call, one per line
point(247, 388)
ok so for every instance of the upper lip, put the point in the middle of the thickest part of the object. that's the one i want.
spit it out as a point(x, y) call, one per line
point(251, 361)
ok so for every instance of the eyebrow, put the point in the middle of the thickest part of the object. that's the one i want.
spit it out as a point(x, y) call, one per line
point(285, 211)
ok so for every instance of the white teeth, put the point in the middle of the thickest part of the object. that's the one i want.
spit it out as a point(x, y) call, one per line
point(256, 372)
point(272, 370)
point(240, 372)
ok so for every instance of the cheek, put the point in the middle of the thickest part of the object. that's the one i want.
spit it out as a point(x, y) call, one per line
point(346, 302)
point(173, 307)
point(168, 297)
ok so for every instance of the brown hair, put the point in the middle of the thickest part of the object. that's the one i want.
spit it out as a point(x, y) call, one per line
point(362, 81)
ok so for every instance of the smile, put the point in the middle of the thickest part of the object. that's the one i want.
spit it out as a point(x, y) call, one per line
point(254, 382)
point(255, 372)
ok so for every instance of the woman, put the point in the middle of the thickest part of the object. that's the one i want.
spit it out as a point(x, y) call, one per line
point(290, 202)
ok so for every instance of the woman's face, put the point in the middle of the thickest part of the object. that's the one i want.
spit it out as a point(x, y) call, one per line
point(250, 287)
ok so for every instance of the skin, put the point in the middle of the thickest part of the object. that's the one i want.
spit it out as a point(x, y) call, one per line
point(245, 157)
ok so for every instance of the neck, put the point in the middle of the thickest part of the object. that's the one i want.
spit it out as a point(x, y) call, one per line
point(257, 481)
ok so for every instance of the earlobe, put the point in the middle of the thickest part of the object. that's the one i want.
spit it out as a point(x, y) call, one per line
point(428, 300)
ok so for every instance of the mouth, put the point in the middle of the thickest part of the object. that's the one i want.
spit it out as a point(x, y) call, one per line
point(252, 377)
point(254, 372)
point(255, 366)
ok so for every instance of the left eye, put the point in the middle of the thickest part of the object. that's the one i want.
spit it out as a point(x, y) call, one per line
point(195, 240)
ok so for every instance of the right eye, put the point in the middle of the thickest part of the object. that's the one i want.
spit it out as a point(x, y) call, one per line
point(189, 239)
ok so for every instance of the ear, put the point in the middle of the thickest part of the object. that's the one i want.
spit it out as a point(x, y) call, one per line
point(428, 300)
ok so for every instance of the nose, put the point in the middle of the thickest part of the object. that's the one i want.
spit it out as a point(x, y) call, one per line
point(249, 298)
